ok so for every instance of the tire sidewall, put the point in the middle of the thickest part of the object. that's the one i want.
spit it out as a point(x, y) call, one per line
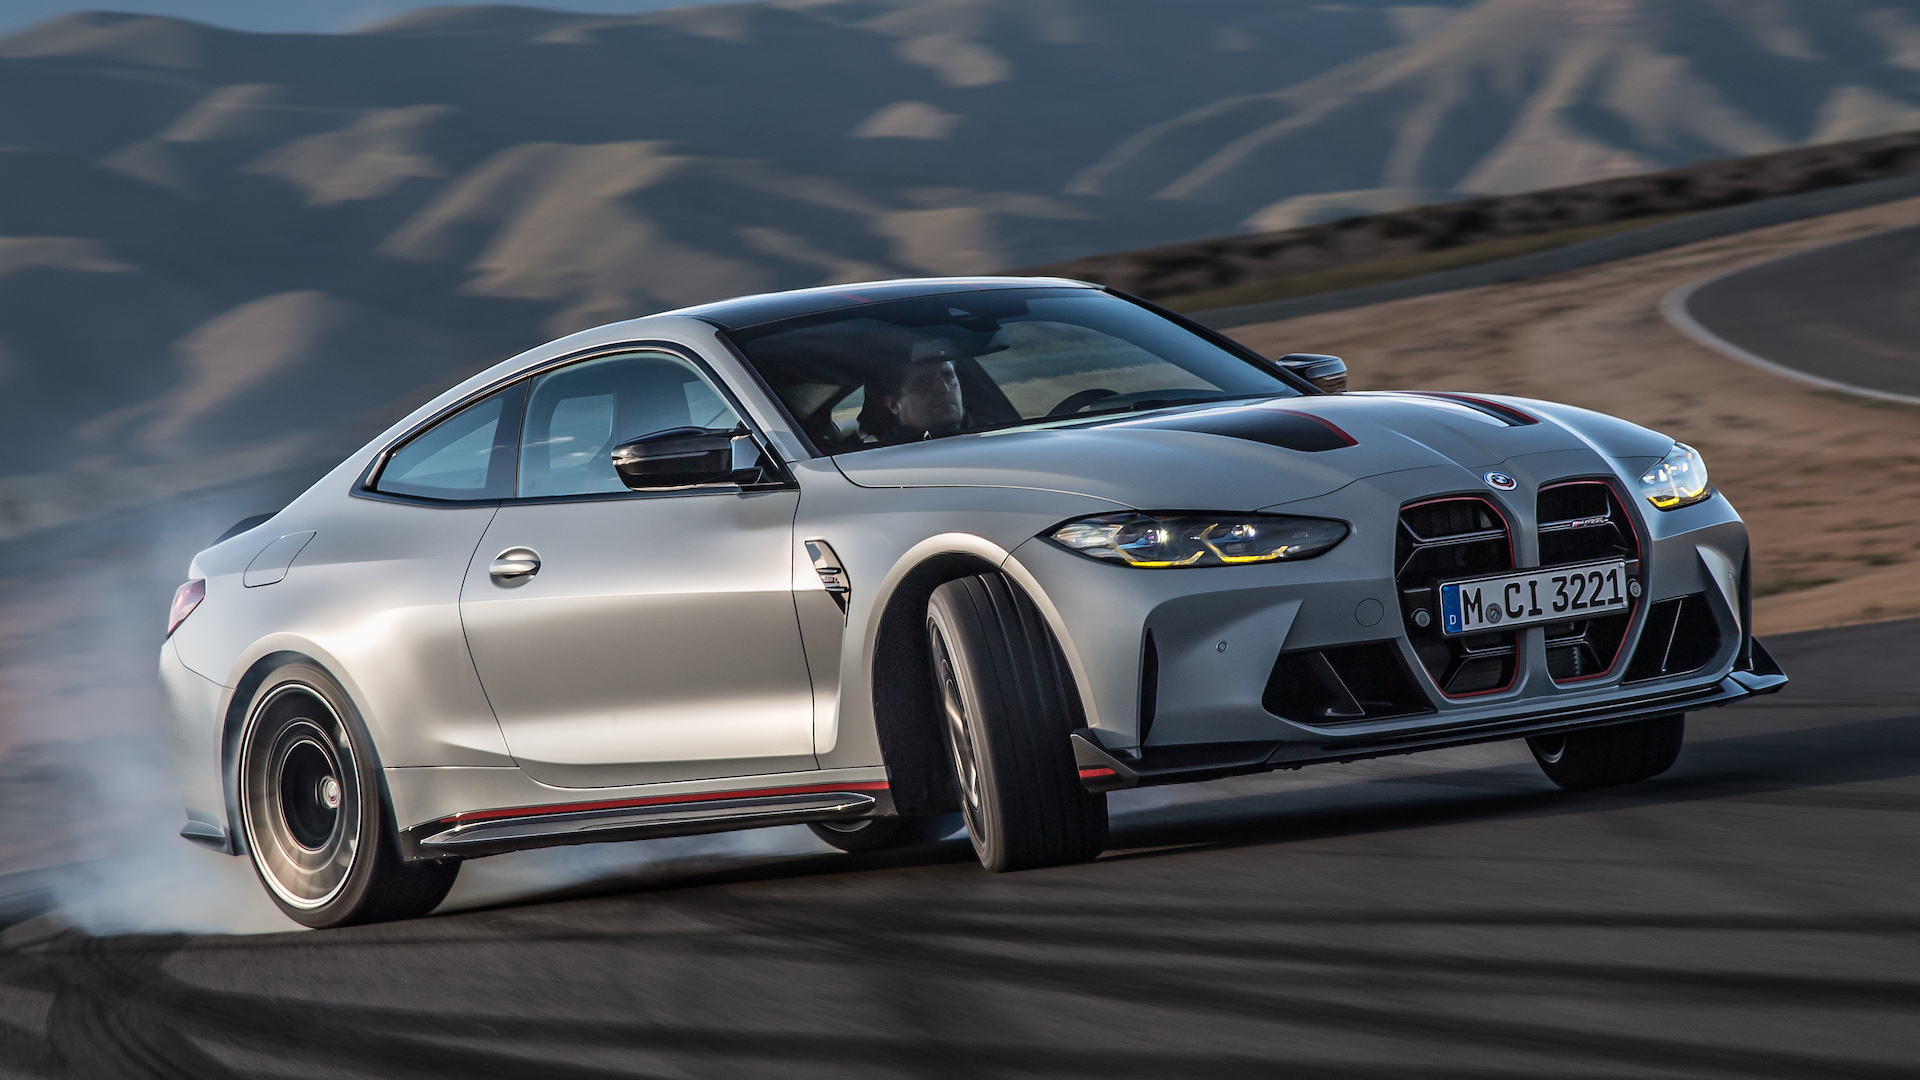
point(347, 900)
point(987, 833)
point(1015, 699)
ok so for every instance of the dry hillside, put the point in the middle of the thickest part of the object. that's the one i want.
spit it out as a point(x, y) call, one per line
point(214, 244)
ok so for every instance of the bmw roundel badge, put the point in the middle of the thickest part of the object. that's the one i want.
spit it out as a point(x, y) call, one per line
point(1500, 480)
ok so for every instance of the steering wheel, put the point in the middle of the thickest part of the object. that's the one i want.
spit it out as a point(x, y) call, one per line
point(1077, 401)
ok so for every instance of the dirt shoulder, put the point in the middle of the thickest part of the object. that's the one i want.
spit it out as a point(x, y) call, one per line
point(1829, 484)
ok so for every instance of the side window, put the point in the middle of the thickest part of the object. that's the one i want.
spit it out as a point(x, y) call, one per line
point(577, 414)
point(467, 456)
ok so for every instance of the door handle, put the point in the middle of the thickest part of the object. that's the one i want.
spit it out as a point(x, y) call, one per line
point(515, 564)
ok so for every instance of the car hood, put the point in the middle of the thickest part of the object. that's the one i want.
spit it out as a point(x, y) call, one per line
point(1246, 456)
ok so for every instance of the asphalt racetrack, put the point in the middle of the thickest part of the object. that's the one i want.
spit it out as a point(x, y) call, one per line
point(1753, 913)
point(1848, 312)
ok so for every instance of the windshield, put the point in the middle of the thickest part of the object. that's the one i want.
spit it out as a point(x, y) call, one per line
point(932, 366)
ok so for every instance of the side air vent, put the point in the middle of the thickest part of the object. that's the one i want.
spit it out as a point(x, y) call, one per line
point(1447, 540)
point(1582, 521)
point(1681, 635)
point(1149, 687)
point(1343, 684)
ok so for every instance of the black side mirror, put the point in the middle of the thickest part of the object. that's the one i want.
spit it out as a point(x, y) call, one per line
point(1329, 373)
point(687, 457)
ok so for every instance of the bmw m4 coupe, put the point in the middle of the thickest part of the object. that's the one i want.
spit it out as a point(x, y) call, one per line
point(862, 556)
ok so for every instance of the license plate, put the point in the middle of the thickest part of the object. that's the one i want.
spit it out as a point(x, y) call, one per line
point(1561, 594)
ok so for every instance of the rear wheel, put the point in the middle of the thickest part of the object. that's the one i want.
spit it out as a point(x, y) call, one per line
point(1005, 699)
point(1604, 757)
point(881, 833)
point(311, 810)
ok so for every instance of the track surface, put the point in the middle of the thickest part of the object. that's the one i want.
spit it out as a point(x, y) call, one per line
point(1849, 312)
point(1753, 913)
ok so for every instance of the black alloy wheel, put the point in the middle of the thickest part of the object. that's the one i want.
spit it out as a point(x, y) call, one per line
point(311, 813)
point(1008, 712)
point(1608, 756)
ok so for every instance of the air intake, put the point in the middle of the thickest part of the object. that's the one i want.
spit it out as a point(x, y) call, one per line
point(1681, 635)
point(1343, 684)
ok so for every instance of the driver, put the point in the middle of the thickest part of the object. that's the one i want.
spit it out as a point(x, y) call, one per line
point(923, 396)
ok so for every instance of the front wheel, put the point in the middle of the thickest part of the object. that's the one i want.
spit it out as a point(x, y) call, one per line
point(1606, 756)
point(311, 812)
point(1005, 699)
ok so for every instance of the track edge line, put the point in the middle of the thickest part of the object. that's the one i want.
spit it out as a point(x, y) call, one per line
point(1673, 308)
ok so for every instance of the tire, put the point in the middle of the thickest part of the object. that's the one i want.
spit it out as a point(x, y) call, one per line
point(313, 815)
point(882, 833)
point(1604, 757)
point(1006, 702)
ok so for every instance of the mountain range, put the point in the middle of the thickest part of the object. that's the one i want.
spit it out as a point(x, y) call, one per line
point(221, 251)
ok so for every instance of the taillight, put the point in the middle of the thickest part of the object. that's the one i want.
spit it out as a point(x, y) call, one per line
point(185, 599)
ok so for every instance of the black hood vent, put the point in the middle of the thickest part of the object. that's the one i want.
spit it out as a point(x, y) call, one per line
point(1284, 428)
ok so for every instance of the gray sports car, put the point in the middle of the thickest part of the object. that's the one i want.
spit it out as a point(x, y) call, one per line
point(861, 556)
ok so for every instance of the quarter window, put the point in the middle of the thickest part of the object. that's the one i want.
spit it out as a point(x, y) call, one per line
point(467, 456)
point(577, 414)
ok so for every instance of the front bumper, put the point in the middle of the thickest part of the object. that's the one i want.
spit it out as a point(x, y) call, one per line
point(1103, 770)
point(1183, 668)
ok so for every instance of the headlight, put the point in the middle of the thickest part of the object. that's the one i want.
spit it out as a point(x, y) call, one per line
point(1161, 540)
point(1679, 480)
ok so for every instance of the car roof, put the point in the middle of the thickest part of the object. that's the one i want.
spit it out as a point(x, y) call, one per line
point(744, 311)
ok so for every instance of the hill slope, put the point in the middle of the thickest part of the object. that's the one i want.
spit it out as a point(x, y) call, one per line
point(213, 243)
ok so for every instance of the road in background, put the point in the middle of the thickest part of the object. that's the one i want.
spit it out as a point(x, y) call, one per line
point(1753, 913)
point(1691, 229)
point(1845, 314)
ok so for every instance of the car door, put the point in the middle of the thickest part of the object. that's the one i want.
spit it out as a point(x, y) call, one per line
point(626, 637)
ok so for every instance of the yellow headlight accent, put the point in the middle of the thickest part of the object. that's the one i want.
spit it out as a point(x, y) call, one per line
point(1680, 479)
point(1145, 565)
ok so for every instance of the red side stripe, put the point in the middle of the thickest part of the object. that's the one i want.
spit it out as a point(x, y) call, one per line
point(663, 800)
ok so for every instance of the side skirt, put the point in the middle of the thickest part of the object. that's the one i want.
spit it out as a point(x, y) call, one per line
point(493, 832)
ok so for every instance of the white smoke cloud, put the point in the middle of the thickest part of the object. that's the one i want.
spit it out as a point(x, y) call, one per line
point(86, 782)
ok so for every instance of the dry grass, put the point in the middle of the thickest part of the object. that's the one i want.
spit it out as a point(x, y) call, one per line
point(1829, 484)
point(1380, 271)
